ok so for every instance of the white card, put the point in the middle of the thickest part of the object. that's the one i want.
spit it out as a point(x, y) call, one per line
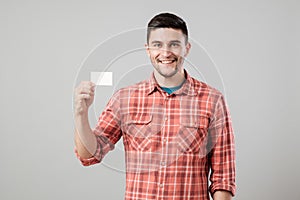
point(102, 78)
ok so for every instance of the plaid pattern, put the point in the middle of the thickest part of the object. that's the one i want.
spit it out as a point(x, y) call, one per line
point(173, 143)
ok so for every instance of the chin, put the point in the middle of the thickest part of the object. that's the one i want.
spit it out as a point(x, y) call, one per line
point(167, 72)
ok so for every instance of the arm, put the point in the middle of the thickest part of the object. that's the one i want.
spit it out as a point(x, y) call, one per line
point(85, 140)
point(93, 145)
point(82, 126)
point(222, 195)
point(222, 155)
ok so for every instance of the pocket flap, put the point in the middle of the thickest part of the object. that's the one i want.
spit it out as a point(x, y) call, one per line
point(138, 119)
point(200, 121)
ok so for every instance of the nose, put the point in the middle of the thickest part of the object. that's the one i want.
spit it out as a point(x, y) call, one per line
point(165, 51)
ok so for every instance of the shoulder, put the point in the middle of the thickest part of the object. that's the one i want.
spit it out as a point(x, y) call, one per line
point(214, 99)
point(203, 88)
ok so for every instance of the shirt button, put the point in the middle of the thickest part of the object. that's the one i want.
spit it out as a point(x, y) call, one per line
point(162, 163)
point(164, 140)
point(166, 118)
point(161, 185)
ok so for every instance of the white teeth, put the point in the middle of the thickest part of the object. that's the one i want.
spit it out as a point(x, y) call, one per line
point(166, 61)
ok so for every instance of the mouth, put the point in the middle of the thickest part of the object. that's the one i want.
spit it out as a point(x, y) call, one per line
point(166, 61)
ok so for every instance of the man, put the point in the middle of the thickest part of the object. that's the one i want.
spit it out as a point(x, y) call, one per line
point(175, 128)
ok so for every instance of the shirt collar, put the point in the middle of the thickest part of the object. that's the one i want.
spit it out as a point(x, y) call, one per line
point(187, 88)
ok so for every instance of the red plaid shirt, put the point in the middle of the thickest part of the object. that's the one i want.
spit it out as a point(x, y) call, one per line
point(173, 143)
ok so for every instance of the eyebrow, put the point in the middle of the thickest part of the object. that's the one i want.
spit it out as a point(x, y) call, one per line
point(175, 41)
point(155, 41)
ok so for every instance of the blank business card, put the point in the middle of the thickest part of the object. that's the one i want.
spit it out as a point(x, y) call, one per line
point(102, 78)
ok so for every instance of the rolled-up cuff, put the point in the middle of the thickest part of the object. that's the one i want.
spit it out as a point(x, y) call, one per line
point(223, 187)
point(87, 161)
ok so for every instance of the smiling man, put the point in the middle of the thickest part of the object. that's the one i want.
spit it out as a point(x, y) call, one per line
point(176, 130)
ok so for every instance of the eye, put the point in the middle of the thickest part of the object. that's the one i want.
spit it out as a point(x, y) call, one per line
point(156, 45)
point(174, 44)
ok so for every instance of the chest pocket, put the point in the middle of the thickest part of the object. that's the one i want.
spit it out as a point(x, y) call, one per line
point(138, 132)
point(192, 135)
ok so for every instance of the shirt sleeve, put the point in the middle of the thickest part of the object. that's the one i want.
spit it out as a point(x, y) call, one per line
point(107, 132)
point(87, 161)
point(222, 155)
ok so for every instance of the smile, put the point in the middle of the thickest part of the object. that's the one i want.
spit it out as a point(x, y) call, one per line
point(167, 61)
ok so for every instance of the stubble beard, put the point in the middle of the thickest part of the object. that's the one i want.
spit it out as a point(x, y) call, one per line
point(169, 74)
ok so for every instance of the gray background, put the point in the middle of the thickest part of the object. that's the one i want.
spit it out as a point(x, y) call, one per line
point(43, 43)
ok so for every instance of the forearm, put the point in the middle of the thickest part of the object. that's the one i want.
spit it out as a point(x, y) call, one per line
point(222, 195)
point(85, 140)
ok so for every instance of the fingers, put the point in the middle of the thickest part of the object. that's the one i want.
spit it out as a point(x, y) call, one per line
point(83, 97)
point(86, 87)
point(84, 91)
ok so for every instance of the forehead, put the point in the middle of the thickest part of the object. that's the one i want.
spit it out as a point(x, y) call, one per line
point(166, 34)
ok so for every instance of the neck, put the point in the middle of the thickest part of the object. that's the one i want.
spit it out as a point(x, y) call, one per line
point(173, 81)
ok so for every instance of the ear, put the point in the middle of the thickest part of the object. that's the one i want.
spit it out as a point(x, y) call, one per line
point(187, 49)
point(147, 49)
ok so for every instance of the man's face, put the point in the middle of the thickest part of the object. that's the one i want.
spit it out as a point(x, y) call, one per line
point(167, 48)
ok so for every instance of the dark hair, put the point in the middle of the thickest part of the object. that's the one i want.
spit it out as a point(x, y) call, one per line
point(167, 20)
